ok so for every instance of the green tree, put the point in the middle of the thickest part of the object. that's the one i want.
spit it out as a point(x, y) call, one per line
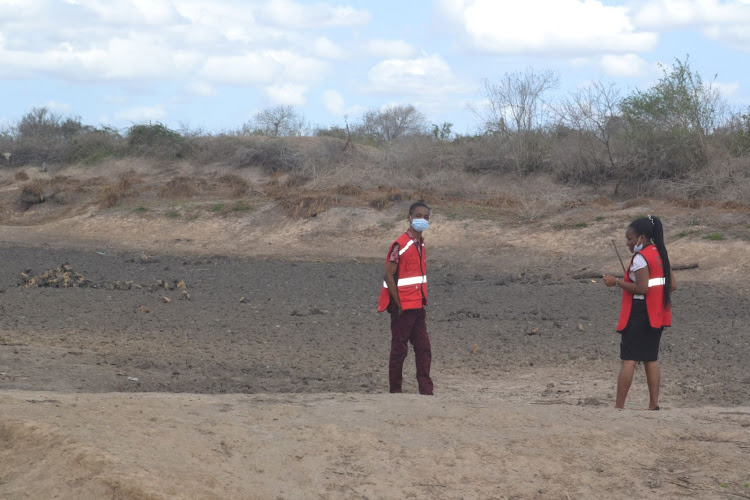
point(669, 123)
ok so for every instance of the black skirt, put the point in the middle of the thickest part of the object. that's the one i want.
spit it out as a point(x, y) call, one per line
point(640, 342)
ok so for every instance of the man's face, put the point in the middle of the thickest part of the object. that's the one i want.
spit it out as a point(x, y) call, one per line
point(420, 213)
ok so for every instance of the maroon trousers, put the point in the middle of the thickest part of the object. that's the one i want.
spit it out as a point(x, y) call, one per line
point(410, 327)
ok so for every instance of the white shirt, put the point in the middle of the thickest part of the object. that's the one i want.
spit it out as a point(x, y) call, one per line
point(639, 262)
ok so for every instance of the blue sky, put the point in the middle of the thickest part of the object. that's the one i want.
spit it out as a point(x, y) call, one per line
point(212, 65)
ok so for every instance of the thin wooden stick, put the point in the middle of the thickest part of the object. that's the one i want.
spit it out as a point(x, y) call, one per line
point(624, 272)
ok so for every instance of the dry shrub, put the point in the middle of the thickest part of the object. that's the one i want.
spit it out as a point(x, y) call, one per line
point(602, 201)
point(735, 205)
point(128, 179)
point(571, 204)
point(21, 176)
point(504, 201)
point(380, 203)
point(425, 195)
point(295, 181)
point(32, 194)
point(238, 186)
point(636, 202)
point(276, 188)
point(349, 190)
point(179, 187)
point(110, 196)
point(308, 205)
point(689, 202)
point(391, 193)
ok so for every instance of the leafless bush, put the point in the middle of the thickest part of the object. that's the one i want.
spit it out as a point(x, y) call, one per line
point(239, 187)
point(308, 205)
point(21, 176)
point(349, 190)
point(110, 196)
point(725, 179)
point(179, 187)
point(272, 155)
point(32, 193)
point(505, 201)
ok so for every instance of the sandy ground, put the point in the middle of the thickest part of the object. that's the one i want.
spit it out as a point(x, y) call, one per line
point(269, 382)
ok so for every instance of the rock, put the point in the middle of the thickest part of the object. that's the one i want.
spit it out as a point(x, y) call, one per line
point(144, 309)
point(166, 299)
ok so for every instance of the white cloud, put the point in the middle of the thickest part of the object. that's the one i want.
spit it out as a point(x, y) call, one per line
point(627, 65)
point(142, 114)
point(298, 15)
point(239, 70)
point(334, 102)
point(137, 57)
point(132, 12)
point(415, 77)
point(59, 107)
point(728, 89)
point(735, 35)
point(200, 89)
point(162, 40)
point(326, 49)
point(297, 68)
point(389, 49)
point(548, 26)
point(675, 13)
point(287, 94)
point(723, 21)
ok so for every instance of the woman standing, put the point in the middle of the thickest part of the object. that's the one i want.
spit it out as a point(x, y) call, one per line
point(646, 306)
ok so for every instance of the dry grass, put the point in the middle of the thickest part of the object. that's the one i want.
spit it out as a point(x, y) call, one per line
point(391, 193)
point(428, 196)
point(238, 186)
point(504, 201)
point(602, 201)
point(180, 187)
point(111, 196)
point(21, 176)
point(279, 187)
point(349, 190)
point(571, 204)
point(380, 203)
point(32, 194)
point(308, 205)
point(736, 205)
point(636, 202)
point(688, 202)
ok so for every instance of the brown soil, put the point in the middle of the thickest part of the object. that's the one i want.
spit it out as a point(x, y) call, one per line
point(270, 380)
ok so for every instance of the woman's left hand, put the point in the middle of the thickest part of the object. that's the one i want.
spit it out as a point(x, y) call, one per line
point(610, 281)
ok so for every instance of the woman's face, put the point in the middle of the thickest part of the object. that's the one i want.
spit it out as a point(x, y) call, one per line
point(632, 239)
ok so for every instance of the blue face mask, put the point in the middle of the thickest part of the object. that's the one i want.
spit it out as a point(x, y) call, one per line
point(420, 225)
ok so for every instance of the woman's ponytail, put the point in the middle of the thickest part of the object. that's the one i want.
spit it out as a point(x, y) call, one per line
point(652, 229)
point(658, 240)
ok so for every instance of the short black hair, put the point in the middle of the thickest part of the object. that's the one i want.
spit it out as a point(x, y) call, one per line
point(416, 205)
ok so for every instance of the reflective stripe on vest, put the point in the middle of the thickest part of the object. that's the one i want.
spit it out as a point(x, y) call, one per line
point(657, 282)
point(416, 280)
point(406, 247)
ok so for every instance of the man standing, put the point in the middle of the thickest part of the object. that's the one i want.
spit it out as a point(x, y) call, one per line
point(404, 295)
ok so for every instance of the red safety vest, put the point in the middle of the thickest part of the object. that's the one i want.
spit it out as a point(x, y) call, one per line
point(411, 279)
point(659, 315)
